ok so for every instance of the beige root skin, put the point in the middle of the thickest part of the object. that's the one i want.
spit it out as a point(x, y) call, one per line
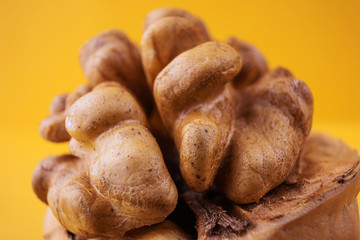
point(274, 118)
point(111, 56)
point(195, 105)
point(254, 64)
point(160, 43)
point(52, 128)
point(159, 13)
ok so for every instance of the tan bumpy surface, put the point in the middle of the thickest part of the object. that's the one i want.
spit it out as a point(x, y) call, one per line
point(273, 118)
point(166, 230)
point(318, 201)
point(159, 13)
point(160, 43)
point(208, 116)
point(217, 113)
point(254, 63)
point(111, 56)
point(52, 128)
point(195, 104)
point(121, 181)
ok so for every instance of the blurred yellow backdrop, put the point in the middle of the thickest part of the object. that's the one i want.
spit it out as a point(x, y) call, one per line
point(39, 43)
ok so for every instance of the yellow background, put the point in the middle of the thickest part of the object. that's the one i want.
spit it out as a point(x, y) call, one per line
point(39, 43)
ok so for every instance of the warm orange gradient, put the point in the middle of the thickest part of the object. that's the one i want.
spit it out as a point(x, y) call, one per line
point(40, 40)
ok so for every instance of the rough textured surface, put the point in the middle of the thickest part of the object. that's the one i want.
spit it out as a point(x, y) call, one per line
point(123, 182)
point(254, 64)
point(159, 13)
point(273, 118)
point(266, 121)
point(245, 129)
point(213, 220)
point(317, 202)
point(160, 43)
point(58, 104)
point(111, 56)
point(53, 230)
point(166, 230)
point(162, 231)
point(52, 128)
point(195, 104)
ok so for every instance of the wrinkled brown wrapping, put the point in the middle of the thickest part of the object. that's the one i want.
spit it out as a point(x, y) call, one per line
point(318, 202)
